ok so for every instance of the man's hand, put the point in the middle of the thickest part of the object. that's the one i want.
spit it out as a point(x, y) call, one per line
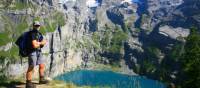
point(36, 44)
point(43, 42)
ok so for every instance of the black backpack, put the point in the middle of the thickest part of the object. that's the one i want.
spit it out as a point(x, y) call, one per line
point(23, 42)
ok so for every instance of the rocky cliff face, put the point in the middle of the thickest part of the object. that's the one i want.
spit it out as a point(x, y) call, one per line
point(174, 13)
point(159, 11)
point(80, 36)
point(70, 32)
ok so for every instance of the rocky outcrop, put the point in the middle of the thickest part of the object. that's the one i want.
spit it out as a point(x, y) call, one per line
point(155, 5)
point(160, 11)
point(122, 14)
point(174, 33)
point(6, 47)
point(176, 13)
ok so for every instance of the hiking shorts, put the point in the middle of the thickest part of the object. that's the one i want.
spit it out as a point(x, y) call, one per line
point(35, 58)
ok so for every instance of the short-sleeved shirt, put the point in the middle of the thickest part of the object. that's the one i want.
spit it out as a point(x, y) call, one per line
point(35, 35)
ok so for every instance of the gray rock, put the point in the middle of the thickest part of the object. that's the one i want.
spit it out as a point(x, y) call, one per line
point(6, 47)
point(161, 10)
point(174, 33)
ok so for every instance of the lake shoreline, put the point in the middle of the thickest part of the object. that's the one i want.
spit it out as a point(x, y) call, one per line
point(123, 69)
point(109, 79)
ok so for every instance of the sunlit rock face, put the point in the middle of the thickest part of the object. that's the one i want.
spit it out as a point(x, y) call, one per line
point(177, 13)
point(160, 10)
point(154, 5)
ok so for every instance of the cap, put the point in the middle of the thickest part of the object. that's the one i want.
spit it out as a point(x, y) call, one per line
point(36, 23)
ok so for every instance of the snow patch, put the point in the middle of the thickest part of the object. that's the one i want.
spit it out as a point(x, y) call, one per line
point(64, 1)
point(89, 3)
point(130, 1)
point(92, 3)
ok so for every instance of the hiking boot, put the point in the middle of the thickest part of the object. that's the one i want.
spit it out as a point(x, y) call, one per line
point(43, 81)
point(29, 84)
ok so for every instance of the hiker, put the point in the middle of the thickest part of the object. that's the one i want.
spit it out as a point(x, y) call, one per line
point(35, 56)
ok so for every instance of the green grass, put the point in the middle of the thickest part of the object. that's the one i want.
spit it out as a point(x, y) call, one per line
point(86, 43)
point(117, 40)
point(51, 84)
point(96, 38)
point(137, 69)
point(21, 6)
point(49, 26)
point(59, 18)
point(11, 54)
point(105, 41)
point(37, 19)
point(177, 51)
point(137, 30)
point(8, 23)
point(4, 38)
point(153, 51)
point(12, 30)
point(11, 33)
point(17, 5)
point(20, 29)
point(148, 66)
point(14, 52)
point(111, 40)
point(51, 23)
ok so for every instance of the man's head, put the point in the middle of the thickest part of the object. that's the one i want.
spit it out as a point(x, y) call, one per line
point(36, 25)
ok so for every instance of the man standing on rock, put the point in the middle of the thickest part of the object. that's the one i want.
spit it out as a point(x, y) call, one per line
point(35, 56)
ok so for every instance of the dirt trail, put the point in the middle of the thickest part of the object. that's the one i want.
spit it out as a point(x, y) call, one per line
point(52, 84)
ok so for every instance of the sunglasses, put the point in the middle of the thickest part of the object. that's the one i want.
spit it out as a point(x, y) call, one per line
point(36, 25)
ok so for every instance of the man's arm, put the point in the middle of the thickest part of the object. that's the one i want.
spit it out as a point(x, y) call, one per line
point(37, 44)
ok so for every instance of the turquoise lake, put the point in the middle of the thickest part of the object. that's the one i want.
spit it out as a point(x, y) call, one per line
point(108, 79)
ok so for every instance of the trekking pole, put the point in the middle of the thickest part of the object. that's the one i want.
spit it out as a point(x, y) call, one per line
point(21, 61)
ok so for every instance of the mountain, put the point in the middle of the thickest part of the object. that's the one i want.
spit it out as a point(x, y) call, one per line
point(82, 33)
